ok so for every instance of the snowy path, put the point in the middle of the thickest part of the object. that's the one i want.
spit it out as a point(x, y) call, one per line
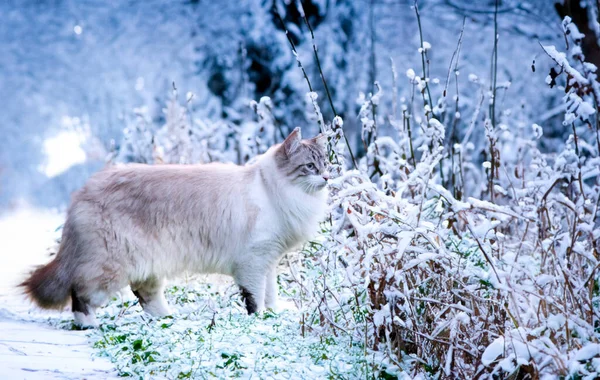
point(30, 346)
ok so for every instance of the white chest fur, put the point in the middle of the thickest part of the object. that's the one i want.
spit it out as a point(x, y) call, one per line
point(287, 214)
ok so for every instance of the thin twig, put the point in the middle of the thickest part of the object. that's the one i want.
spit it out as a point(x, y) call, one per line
point(423, 54)
point(455, 54)
point(318, 61)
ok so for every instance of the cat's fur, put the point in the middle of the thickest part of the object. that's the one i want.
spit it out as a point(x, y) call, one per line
point(139, 224)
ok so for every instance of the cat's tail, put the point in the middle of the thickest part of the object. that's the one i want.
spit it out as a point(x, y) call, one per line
point(49, 286)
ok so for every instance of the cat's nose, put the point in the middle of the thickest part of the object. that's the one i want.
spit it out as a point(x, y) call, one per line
point(325, 176)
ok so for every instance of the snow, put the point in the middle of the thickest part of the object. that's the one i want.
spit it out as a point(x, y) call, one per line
point(588, 352)
point(63, 151)
point(35, 344)
point(210, 332)
point(561, 59)
point(31, 350)
point(426, 46)
point(571, 29)
point(493, 351)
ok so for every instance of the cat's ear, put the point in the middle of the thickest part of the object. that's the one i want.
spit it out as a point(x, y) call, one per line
point(320, 139)
point(292, 142)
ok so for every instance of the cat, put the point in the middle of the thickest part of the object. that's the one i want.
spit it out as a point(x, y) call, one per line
point(138, 225)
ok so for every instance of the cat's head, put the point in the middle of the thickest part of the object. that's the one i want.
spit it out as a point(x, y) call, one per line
point(304, 162)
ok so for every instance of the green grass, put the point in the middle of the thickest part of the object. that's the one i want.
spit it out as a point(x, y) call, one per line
point(211, 336)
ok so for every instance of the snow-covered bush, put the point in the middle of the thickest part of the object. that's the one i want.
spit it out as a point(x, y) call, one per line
point(184, 139)
point(447, 265)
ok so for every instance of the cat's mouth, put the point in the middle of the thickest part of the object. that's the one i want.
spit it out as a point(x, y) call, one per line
point(321, 185)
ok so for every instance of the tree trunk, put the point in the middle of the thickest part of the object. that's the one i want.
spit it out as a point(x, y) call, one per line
point(580, 17)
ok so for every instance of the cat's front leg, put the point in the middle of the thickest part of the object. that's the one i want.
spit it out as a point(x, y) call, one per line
point(271, 288)
point(250, 277)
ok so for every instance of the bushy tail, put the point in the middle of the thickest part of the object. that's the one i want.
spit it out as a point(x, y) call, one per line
point(49, 286)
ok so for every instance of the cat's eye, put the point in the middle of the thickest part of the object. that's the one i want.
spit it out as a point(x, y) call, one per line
point(310, 166)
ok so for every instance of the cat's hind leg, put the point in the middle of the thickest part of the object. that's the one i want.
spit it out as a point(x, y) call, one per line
point(151, 295)
point(84, 312)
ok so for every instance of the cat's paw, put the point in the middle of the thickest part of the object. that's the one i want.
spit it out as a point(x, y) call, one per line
point(273, 306)
point(85, 321)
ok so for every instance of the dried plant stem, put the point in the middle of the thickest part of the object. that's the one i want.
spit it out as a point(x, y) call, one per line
point(597, 123)
point(492, 138)
point(456, 54)
point(410, 140)
point(579, 180)
point(454, 134)
point(494, 67)
point(395, 90)
point(373, 40)
point(424, 66)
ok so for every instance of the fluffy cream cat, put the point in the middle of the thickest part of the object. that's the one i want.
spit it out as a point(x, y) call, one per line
point(139, 224)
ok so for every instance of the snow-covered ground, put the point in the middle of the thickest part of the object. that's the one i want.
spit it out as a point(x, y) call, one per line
point(210, 335)
point(32, 345)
